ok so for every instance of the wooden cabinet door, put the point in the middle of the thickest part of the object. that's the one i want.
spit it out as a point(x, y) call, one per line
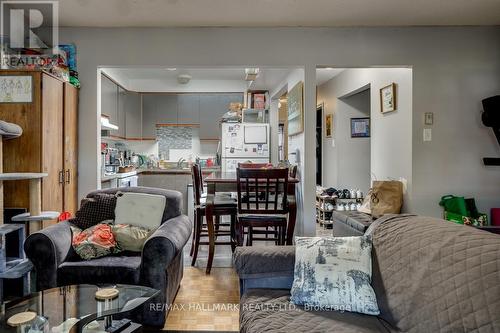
point(70, 149)
point(52, 144)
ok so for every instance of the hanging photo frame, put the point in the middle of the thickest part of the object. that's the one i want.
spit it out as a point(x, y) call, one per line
point(16, 89)
point(388, 98)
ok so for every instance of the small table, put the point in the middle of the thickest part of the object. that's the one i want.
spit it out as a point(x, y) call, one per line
point(227, 182)
point(76, 306)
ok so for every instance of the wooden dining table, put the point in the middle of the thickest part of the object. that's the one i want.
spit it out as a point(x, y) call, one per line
point(227, 182)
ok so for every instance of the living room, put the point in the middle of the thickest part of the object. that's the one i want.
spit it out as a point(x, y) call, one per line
point(437, 67)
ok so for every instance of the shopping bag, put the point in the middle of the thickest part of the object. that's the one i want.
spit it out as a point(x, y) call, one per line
point(386, 197)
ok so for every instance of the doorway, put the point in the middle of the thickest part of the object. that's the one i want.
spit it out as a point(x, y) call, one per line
point(319, 144)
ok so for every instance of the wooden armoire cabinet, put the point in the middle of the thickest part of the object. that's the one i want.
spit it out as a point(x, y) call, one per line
point(49, 143)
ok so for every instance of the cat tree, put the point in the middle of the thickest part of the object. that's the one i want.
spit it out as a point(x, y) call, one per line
point(13, 263)
point(35, 216)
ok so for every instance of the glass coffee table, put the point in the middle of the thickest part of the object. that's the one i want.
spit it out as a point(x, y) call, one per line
point(79, 308)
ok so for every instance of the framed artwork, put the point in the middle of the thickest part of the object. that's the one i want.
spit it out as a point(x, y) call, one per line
point(360, 127)
point(388, 98)
point(16, 89)
point(328, 125)
point(296, 109)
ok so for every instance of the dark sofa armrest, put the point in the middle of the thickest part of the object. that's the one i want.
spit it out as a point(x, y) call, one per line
point(162, 247)
point(47, 249)
point(264, 267)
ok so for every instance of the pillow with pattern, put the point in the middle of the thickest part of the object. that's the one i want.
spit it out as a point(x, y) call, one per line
point(94, 210)
point(129, 237)
point(334, 273)
point(94, 242)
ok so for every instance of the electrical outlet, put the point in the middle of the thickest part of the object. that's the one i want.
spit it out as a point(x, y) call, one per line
point(427, 134)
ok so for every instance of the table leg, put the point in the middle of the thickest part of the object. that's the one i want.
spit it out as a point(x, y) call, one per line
point(292, 214)
point(209, 215)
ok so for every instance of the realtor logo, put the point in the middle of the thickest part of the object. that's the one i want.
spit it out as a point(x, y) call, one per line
point(29, 25)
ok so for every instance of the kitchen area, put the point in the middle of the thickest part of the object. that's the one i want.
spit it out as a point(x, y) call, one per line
point(157, 122)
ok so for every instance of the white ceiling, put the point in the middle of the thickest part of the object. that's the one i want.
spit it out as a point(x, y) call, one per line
point(272, 13)
point(325, 74)
point(142, 79)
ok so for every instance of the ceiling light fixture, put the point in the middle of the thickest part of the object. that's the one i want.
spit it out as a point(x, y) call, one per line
point(251, 74)
point(329, 68)
point(171, 69)
point(184, 78)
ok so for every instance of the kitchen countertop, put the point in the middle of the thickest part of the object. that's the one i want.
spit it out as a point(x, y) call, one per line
point(184, 171)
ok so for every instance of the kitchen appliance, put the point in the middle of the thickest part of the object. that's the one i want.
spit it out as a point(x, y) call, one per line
point(243, 142)
point(128, 179)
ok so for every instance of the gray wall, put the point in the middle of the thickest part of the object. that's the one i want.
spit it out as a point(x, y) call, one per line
point(351, 166)
point(391, 133)
point(453, 69)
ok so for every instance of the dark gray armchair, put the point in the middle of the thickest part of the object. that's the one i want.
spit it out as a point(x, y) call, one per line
point(160, 265)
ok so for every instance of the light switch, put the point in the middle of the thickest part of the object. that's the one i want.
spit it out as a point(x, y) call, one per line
point(333, 143)
point(427, 134)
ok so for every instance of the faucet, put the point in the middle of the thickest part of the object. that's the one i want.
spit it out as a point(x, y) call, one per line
point(180, 162)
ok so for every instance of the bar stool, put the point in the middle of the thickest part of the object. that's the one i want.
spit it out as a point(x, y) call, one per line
point(224, 206)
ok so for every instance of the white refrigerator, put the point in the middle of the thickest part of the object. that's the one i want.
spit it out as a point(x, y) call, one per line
point(242, 142)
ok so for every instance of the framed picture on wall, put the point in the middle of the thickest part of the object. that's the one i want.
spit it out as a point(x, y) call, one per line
point(388, 98)
point(360, 127)
point(296, 109)
point(16, 89)
point(328, 125)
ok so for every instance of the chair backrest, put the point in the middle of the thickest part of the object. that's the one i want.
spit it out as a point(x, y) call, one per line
point(262, 191)
point(197, 183)
point(293, 171)
point(250, 165)
point(173, 205)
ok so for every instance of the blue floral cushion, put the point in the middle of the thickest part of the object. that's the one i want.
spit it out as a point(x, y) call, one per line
point(334, 273)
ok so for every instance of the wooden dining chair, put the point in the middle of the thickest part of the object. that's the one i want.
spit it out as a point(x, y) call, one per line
point(223, 206)
point(250, 165)
point(262, 203)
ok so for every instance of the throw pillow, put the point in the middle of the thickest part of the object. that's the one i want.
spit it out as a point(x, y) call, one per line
point(95, 210)
point(94, 242)
point(334, 273)
point(140, 209)
point(129, 237)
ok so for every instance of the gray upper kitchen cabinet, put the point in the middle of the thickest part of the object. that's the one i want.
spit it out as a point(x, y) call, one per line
point(122, 101)
point(109, 101)
point(133, 123)
point(157, 109)
point(209, 123)
point(188, 106)
point(212, 108)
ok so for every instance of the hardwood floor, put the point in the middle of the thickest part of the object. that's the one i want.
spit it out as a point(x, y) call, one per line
point(206, 302)
point(209, 302)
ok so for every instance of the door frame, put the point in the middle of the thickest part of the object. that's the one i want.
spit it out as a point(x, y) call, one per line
point(322, 107)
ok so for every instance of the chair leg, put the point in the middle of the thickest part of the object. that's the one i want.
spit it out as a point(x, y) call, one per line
point(241, 233)
point(233, 233)
point(283, 235)
point(217, 223)
point(250, 236)
point(198, 222)
point(193, 236)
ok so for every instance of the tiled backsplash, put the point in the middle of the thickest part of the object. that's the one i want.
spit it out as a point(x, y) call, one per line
point(173, 137)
